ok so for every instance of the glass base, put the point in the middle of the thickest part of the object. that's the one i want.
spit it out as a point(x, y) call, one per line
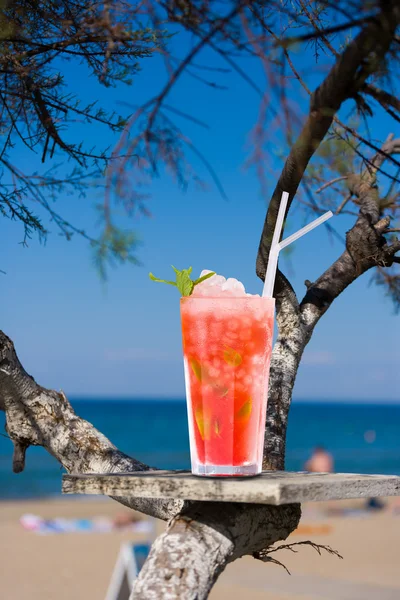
point(208, 470)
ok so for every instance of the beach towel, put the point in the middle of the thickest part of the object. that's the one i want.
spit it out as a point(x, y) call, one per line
point(43, 526)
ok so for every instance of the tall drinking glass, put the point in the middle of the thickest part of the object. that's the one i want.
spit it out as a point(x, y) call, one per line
point(227, 344)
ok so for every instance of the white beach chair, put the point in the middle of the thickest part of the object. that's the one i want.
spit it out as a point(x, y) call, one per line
point(130, 560)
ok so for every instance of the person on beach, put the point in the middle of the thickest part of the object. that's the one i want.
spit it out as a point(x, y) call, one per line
point(320, 461)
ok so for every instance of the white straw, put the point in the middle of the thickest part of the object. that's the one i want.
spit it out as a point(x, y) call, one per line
point(304, 230)
point(276, 246)
point(274, 251)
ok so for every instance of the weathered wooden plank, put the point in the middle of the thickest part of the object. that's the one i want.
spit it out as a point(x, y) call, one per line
point(269, 488)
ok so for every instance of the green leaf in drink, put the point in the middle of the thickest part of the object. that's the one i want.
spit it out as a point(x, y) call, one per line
point(202, 375)
point(232, 357)
point(183, 281)
point(244, 411)
point(198, 415)
point(196, 368)
point(203, 424)
point(220, 389)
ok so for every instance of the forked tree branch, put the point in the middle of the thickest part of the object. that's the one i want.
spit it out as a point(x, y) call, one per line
point(36, 416)
point(366, 246)
point(345, 79)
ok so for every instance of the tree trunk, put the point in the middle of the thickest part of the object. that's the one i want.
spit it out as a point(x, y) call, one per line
point(187, 559)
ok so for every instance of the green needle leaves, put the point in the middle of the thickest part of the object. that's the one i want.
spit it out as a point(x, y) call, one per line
point(183, 281)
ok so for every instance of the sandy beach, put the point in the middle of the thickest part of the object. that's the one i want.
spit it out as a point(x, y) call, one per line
point(79, 565)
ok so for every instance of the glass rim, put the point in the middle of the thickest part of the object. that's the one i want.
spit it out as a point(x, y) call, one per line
point(251, 298)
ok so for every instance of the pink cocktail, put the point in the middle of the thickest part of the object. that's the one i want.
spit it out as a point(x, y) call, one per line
point(227, 343)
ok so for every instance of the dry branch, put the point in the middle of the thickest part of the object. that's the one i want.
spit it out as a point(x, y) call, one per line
point(265, 555)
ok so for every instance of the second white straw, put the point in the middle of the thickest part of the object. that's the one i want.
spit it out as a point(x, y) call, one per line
point(276, 245)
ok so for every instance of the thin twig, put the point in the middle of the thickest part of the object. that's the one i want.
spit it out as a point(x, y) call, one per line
point(343, 204)
point(322, 33)
point(317, 547)
point(331, 182)
point(264, 555)
point(316, 34)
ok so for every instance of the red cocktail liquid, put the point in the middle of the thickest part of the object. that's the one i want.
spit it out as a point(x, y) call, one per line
point(227, 343)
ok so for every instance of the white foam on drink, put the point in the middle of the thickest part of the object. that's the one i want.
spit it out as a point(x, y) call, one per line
point(217, 285)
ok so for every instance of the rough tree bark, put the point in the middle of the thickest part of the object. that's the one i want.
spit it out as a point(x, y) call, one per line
point(36, 416)
point(202, 538)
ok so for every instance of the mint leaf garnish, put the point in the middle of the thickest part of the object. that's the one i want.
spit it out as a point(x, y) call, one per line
point(200, 279)
point(183, 281)
point(153, 278)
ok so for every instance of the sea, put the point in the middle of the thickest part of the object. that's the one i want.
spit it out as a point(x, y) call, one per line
point(363, 438)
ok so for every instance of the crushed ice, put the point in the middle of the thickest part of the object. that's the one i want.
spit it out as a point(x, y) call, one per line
point(217, 285)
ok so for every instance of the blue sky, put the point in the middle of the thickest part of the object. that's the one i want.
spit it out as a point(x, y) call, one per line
point(123, 339)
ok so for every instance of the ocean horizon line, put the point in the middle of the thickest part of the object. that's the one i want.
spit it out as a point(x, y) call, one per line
point(182, 399)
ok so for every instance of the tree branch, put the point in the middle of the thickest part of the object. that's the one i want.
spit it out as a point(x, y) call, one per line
point(366, 246)
point(391, 146)
point(322, 33)
point(384, 98)
point(329, 183)
point(345, 78)
point(36, 416)
point(265, 555)
point(343, 204)
point(319, 34)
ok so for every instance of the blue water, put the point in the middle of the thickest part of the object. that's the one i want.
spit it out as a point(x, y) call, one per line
point(155, 432)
